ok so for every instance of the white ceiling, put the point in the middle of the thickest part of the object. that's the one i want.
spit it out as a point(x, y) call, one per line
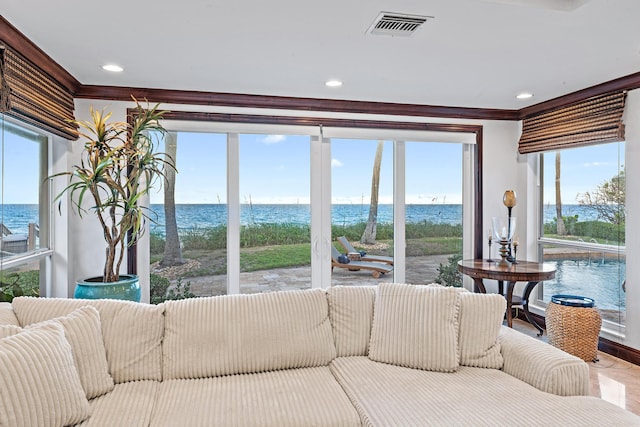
point(474, 53)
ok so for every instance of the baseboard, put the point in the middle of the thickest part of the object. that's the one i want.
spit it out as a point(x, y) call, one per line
point(613, 348)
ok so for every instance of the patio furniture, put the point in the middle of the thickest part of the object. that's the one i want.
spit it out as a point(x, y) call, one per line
point(10, 243)
point(356, 255)
point(376, 268)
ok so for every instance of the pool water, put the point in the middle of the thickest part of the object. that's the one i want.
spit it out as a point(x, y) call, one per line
point(600, 279)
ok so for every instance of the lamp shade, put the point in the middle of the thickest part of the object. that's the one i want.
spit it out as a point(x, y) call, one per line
point(509, 198)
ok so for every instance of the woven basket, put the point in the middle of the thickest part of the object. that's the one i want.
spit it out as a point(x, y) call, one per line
point(574, 330)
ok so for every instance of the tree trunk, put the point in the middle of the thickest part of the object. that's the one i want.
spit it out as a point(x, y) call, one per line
point(369, 235)
point(172, 252)
point(560, 228)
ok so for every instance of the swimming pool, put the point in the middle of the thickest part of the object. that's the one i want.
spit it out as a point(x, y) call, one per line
point(597, 278)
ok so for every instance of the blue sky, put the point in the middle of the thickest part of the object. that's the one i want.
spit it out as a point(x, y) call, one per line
point(275, 169)
point(581, 170)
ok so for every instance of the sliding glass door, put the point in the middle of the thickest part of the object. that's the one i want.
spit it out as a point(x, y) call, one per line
point(267, 211)
point(275, 234)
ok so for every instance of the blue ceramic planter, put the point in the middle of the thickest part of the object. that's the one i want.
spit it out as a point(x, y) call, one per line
point(127, 288)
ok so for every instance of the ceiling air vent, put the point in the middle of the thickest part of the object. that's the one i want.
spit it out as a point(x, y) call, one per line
point(396, 24)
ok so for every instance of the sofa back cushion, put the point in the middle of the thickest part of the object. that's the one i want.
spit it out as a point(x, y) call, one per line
point(132, 332)
point(480, 321)
point(7, 316)
point(416, 326)
point(39, 383)
point(82, 330)
point(351, 314)
point(234, 334)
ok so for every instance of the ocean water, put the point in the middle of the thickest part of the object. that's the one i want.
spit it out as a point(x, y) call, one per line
point(18, 217)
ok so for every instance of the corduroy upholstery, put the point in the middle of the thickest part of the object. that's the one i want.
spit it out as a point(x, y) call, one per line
point(416, 327)
point(132, 332)
point(82, 330)
point(389, 395)
point(285, 398)
point(237, 334)
point(304, 358)
point(39, 383)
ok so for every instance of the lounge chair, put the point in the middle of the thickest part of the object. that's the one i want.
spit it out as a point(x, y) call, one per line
point(377, 269)
point(354, 254)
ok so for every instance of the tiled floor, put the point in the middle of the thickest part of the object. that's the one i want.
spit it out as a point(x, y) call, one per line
point(612, 379)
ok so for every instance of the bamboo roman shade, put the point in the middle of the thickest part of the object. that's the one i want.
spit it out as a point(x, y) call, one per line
point(593, 121)
point(32, 96)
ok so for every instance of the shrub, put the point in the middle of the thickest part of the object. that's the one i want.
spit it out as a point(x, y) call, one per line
point(448, 275)
point(159, 290)
point(13, 285)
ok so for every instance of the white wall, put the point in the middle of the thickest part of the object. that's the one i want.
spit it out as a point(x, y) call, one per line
point(632, 171)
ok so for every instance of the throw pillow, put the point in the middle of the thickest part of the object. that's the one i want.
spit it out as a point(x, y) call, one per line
point(8, 330)
point(416, 327)
point(39, 383)
point(82, 330)
point(480, 322)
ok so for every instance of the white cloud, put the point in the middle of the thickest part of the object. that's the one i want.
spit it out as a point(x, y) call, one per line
point(594, 164)
point(335, 163)
point(273, 139)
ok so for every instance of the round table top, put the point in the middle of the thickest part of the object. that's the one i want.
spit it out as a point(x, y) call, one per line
point(522, 271)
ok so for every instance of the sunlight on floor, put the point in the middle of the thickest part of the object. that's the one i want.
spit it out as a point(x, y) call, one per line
point(612, 391)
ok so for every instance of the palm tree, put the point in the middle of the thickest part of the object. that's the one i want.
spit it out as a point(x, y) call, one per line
point(560, 228)
point(369, 234)
point(172, 252)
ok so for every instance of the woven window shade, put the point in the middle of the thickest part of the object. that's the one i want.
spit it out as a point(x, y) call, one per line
point(35, 97)
point(593, 121)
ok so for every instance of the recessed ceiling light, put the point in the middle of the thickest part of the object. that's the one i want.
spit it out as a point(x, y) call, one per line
point(524, 95)
point(113, 68)
point(333, 83)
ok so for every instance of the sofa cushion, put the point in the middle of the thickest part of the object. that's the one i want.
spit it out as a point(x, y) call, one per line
point(233, 334)
point(388, 395)
point(416, 326)
point(7, 316)
point(39, 383)
point(292, 397)
point(132, 332)
point(543, 366)
point(8, 330)
point(82, 330)
point(129, 404)
point(351, 314)
point(480, 321)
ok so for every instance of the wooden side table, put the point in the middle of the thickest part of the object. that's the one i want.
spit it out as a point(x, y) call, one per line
point(522, 271)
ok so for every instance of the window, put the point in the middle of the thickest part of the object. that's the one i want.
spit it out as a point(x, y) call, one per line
point(24, 210)
point(583, 226)
point(258, 211)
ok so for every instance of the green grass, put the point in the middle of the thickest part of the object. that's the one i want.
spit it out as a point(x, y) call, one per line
point(268, 246)
point(280, 256)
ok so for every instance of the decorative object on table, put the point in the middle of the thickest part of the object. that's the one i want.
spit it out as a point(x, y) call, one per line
point(503, 232)
point(489, 237)
point(119, 164)
point(573, 325)
point(509, 200)
point(516, 242)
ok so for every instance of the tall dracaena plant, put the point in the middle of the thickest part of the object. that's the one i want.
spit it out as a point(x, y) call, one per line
point(119, 165)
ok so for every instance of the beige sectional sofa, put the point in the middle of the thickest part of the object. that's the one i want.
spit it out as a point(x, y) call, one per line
point(395, 355)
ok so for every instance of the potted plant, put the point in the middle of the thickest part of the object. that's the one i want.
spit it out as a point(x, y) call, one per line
point(119, 164)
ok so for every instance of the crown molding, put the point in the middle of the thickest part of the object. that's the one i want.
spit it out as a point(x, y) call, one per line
point(118, 93)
